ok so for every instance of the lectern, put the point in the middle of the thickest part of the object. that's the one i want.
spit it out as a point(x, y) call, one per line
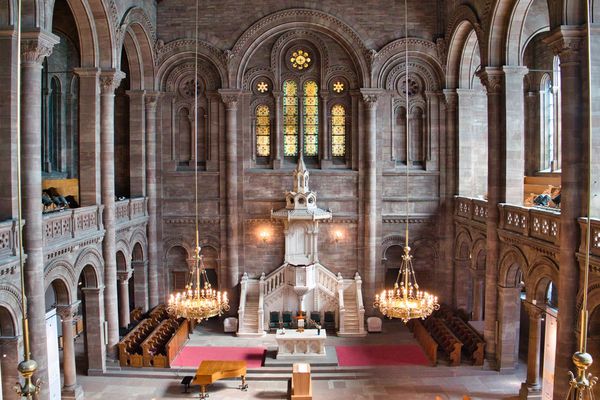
point(301, 384)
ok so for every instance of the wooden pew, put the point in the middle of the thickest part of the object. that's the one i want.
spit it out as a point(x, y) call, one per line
point(429, 345)
point(176, 343)
point(474, 344)
point(450, 344)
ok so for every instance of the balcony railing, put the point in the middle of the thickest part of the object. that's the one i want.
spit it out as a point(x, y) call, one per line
point(9, 239)
point(470, 208)
point(72, 224)
point(594, 236)
point(131, 210)
point(536, 223)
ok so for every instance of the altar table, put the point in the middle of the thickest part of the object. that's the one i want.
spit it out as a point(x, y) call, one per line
point(293, 344)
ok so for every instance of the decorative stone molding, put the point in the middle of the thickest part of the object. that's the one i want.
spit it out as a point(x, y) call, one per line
point(191, 221)
point(68, 311)
point(110, 80)
point(151, 99)
point(294, 35)
point(492, 79)
point(178, 46)
point(411, 220)
point(567, 42)
point(230, 98)
point(137, 15)
point(36, 46)
point(451, 99)
point(370, 97)
point(124, 276)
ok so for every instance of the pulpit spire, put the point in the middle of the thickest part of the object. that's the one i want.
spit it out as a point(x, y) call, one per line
point(301, 177)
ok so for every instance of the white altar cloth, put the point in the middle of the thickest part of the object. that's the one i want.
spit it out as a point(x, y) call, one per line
point(292, 344)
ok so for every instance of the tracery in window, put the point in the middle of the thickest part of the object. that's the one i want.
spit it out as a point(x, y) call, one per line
point(263, 131)
point(311, 119)
point(550, 120)
point(338, 130)
point(290, 118)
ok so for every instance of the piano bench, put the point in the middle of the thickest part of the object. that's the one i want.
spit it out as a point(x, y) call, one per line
point(186, 383)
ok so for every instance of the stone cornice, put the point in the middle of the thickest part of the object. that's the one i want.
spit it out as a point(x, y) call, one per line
point(37, 45)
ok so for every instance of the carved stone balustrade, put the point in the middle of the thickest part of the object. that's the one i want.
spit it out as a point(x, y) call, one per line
point(62, 228)
point(536, 223)
point(9, 240)
point(131, 212)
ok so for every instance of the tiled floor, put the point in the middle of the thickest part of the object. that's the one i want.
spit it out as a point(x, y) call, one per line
point(441, 382)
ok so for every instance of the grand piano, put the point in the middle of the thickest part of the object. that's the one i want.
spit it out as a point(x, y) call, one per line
point(211, 371)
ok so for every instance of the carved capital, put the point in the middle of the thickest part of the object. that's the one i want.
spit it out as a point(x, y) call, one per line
point(230, 98)
point(67, 311)
point(567, 42)
point(492, 79)
point(35, 46)
point(124, 276)
point(151, 99)
point(451, 99)
point(534, 312)
point(369, 98)
point(110, 80)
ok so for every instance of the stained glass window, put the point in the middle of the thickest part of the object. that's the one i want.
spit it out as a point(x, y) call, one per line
point(290, 118)
point(338, 130)
point(263, 131)
point(311, 118)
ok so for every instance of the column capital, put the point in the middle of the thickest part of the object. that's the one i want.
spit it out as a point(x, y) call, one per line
point(124, 276)
point(93, 290)
point(534, 311)
point(151, 98)
point(110, 80)
point(67, 311)
point(567, 42)
point(370, 97)
point(230, 97)
point(135, 94)
point(92, 72)
point(139, 263)
point(451, 99)
point(37, 45)
point(515, 70)
point(492, 79)
point(277, 94)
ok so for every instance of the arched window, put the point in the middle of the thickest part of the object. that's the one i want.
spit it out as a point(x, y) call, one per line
point(310, 113)
point(550, 120)
point(338, 131)
point(290, 118)
point(263, 131)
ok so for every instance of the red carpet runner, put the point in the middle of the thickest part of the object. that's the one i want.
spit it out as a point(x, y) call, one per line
point(191, 356)
point(360, 356)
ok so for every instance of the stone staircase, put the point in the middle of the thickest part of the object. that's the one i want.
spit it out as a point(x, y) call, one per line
point(352, 317)
point(250, 319)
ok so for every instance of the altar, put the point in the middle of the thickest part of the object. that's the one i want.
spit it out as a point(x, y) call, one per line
point(293, 344)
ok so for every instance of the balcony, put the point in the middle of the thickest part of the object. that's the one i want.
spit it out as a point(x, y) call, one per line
point(131, 212)
point(9, 240)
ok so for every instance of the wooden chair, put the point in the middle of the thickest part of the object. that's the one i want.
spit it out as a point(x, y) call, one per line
point(274, 319)
point(287, 319)
point(329, 322)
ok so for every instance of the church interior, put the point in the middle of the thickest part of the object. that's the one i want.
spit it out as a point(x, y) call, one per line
point(270, 199)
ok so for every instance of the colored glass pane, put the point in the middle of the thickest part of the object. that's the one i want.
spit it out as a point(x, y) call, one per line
point(338, 130)
point(311, 119)
point(263, 131)
point(290, 118)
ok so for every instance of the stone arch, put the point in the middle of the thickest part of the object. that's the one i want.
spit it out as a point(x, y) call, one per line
point(7, 13)
point(174, 54)
point(478, 250)
point(138, 37)
point(542, 271)
point(90, 263)
point(462, 239)
point(282, 21)
point(464, 23)
point(123, 263)
point(389, 241)
point(523, 28)
point(512, 267)
point(177, 241)
point(62, 272)
point(10, 302)
point(123, 247)
point(62, 291)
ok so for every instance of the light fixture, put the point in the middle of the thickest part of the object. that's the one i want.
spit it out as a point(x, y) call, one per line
point(199, 301)
point(338, 235)
point(582, 383)
point(405, 301)
point(264, 235)
point(27, 368)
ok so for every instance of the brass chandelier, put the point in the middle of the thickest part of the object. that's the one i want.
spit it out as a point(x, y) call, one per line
point(199, 301)
point(405, 301)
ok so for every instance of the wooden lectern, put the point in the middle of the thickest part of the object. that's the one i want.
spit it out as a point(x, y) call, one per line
point(301, 383)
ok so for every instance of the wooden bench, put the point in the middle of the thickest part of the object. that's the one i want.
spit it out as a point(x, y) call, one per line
point(473, 343)
point(449, 343)
point(428, 344)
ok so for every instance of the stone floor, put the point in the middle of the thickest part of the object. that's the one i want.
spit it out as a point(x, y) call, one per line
point(402, 382)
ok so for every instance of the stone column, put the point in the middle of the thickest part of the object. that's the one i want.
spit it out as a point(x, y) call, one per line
point(35, 47)
point(450, 177)
point(137, 143)
point(11, 356)
point(109, 81)
point(152, 193)
point(509, 314)
point(370, 193)
point(70, 390)
point(514, 172)
point(531, 389)
point(230, 98)
point(277, 134)
point(567, 43)
point(124, 296)
point(8, 130)
point(478, 295)
point(325, 143)
point(493, 80)
point(94, 329)
point(140, 284)
point(89, 136)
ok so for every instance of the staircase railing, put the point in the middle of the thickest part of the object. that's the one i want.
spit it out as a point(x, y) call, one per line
point(342, 311)
point(261, 303)
point(360, 308)
point(274, 280)
point(242, 307)
point(327, 279)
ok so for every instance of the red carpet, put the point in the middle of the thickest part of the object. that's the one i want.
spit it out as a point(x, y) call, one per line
point(360, 356)
point(191, 356)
